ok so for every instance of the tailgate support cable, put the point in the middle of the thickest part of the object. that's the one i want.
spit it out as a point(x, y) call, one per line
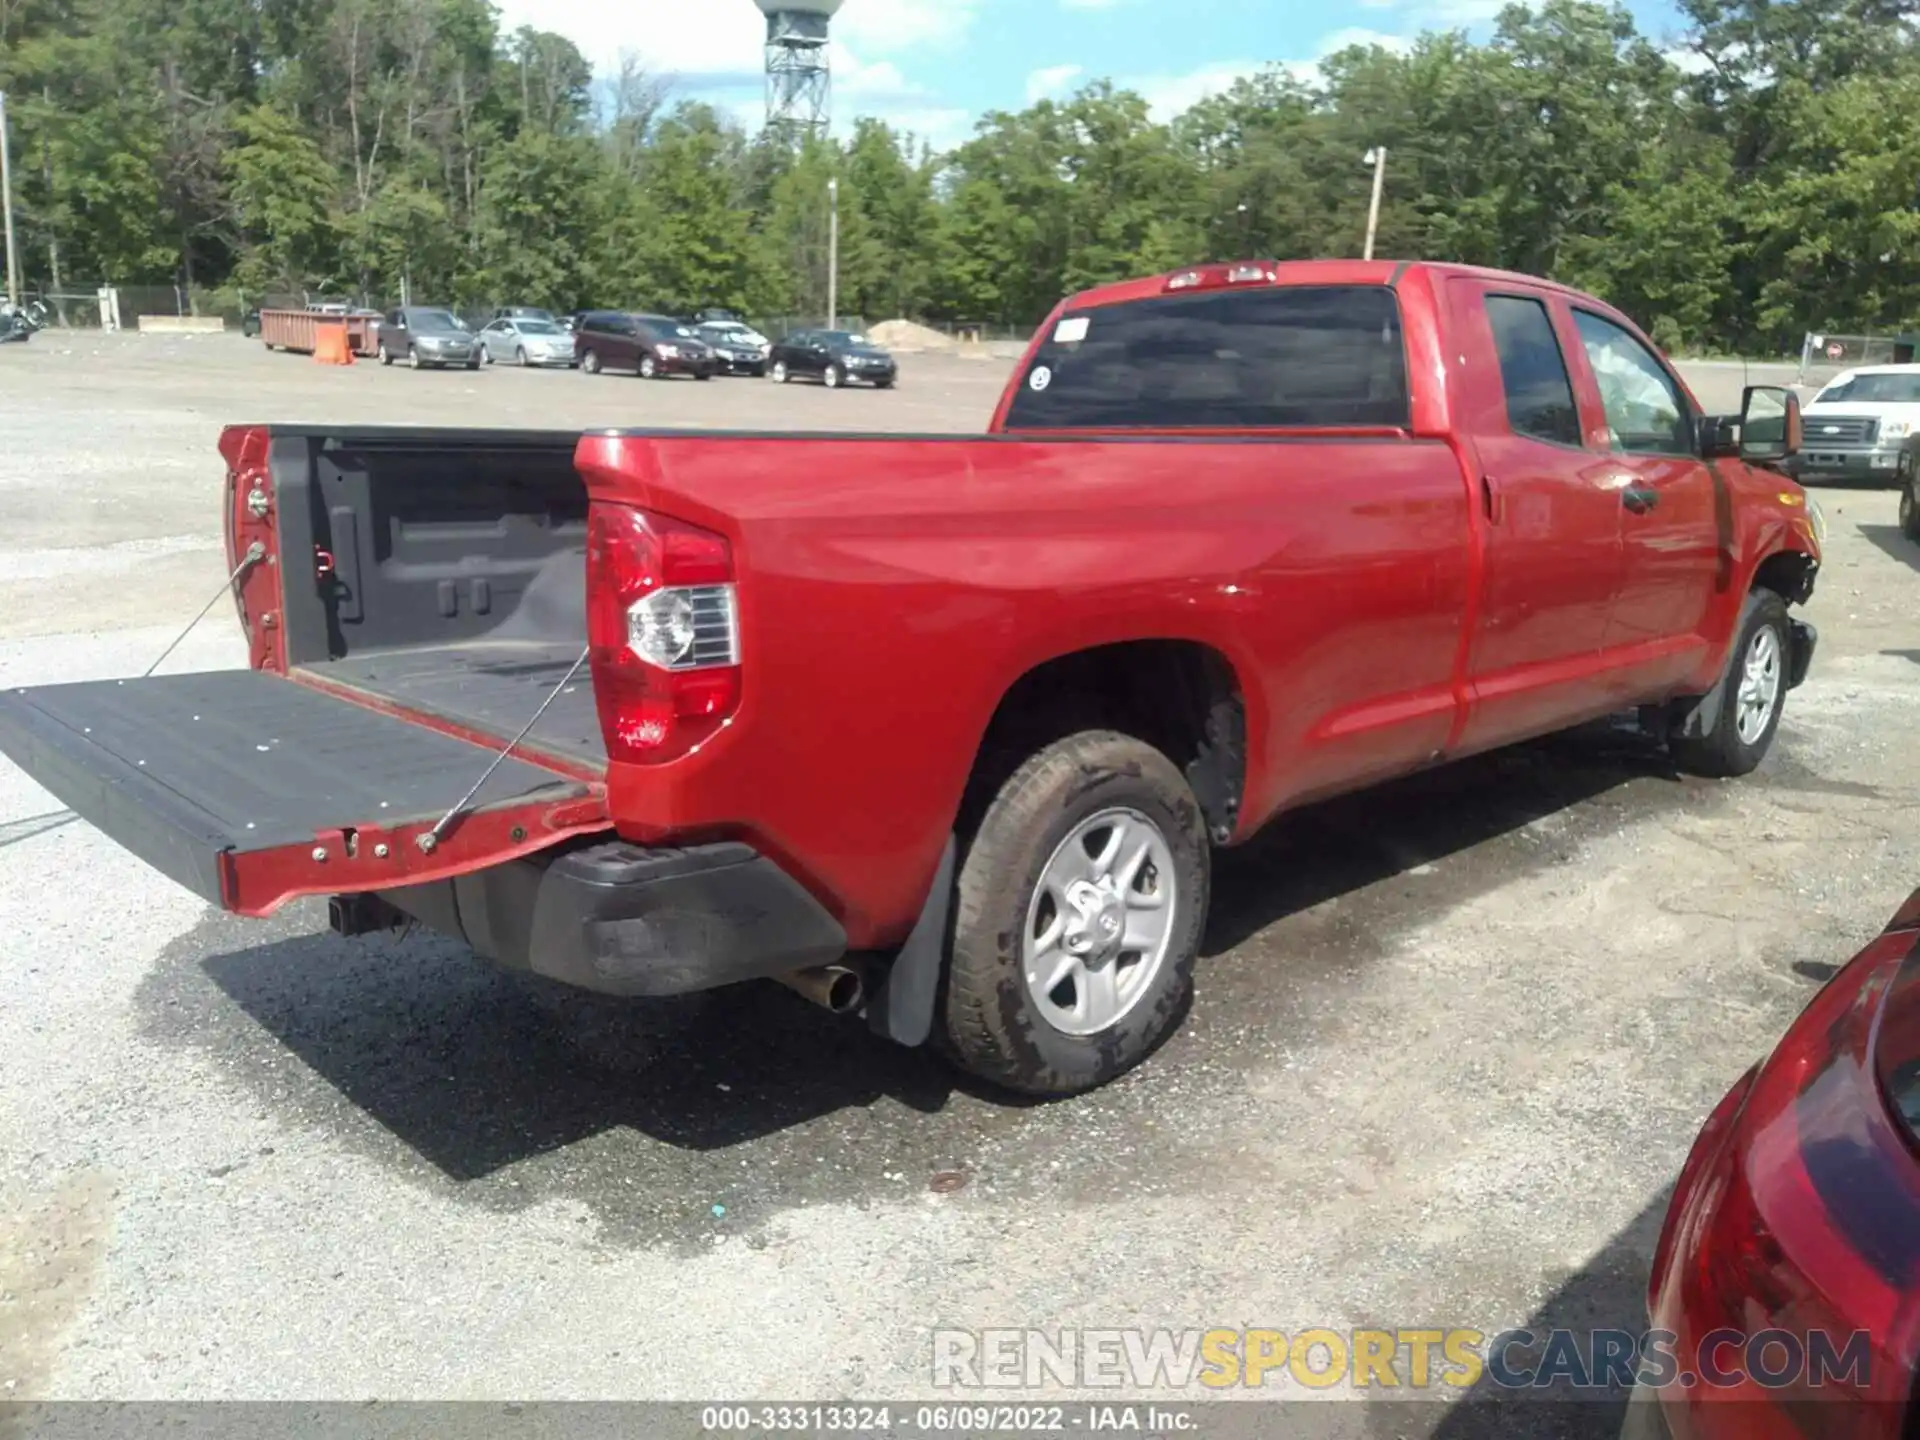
point(256, 552)
point(430, 840)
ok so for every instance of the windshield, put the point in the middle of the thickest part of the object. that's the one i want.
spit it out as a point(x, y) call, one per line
point(844, 337)
point(1888, 389)
point(433, 322)
point(538, 327)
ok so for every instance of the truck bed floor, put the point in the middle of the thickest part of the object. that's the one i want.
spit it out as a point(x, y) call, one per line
point(490, 686)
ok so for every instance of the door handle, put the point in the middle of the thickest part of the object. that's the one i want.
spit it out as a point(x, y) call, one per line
point(1489, 500)
point(1639, 499)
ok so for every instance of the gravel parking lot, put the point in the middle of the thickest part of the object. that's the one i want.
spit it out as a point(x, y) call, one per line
point(1451, 1042)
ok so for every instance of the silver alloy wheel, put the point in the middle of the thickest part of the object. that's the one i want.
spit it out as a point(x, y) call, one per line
point(1100, 922)
point(520, 355)
point(1759, 686)
point(779, 372)
point(832, 378)
point(648, 369)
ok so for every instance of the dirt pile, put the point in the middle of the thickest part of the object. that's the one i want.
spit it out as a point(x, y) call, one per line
point(908, 337)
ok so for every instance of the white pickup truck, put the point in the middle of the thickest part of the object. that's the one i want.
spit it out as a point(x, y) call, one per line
point(1858, 426)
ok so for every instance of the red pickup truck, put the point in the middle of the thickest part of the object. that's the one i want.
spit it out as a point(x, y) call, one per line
point(943, 729)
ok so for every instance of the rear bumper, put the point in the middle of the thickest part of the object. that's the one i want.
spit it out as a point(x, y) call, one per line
point(623, 920)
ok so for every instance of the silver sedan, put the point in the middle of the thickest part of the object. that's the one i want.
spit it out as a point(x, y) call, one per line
point(527, 342)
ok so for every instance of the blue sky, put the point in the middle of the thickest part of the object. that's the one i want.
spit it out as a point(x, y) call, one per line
point(933, 66)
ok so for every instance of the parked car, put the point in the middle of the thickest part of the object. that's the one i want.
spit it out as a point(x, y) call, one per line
point(424, 335)
point(835, 357)
point(654, 347)
point(1796, 1217)
point(737, 349)
point(524, 312)
point(1859, 423)
point(527, 341)
point(944, 730)
point(714, 315)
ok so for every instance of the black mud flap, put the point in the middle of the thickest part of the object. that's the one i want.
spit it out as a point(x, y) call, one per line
point(250, 789)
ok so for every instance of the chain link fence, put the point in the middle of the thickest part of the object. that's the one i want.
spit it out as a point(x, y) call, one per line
point(1824, 355)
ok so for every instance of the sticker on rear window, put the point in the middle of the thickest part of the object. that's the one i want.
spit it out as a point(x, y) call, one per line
point(1041, 377)
point(1072, 330)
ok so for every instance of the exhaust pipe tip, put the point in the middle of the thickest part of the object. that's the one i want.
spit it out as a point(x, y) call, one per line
point(838, 989)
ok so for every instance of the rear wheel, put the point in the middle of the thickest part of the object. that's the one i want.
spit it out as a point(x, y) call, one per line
point(590, 362)
point(1752, 694)
point(1078, 917)
point(386, 355)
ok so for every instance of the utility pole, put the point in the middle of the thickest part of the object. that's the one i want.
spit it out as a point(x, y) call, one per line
point(1376, 157)
point(6, 205)
point(833, 253)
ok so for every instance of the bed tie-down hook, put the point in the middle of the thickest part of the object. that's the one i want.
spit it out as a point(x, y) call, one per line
point(429, 841)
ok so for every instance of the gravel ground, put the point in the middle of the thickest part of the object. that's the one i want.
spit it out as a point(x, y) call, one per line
point(1451, 1042)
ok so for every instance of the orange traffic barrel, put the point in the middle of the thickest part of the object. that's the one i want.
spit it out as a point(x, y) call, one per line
point(330, 344)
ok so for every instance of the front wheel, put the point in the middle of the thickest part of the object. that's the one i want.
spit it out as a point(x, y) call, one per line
point(780, 372)
point(1078, 917)
point(1751, 695)
point(413, 358)
point(520, 357)
point(649, 368)
point(386, 355)
point(833, 378)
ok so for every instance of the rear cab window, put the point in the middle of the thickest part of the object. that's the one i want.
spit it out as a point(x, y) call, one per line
point(1287, 357)
point(1533, 372)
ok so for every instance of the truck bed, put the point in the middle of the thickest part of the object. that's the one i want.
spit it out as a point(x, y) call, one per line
point(490, 687)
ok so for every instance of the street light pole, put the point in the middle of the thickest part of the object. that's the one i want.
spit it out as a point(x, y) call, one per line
point(1376, 157)
point(833, 253)
point(6, 205)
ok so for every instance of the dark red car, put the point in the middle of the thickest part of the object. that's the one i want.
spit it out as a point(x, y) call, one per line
point(1788, 1270)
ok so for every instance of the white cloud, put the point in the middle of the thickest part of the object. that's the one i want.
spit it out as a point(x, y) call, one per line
point(1053, 80)
point(1090, 4)
point(1170, 95)
point(887, 26)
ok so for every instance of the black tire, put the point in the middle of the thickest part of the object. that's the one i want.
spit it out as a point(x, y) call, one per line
point(520, 356)
point(1721, 752)
point(883, 384)
point(649, 368)
point(703, 375)
point(474, 363)
point(590, 362)
point(386, 355)
point(1910, 501)
point(833, 377)
point(413, 358)
point(992, 1026)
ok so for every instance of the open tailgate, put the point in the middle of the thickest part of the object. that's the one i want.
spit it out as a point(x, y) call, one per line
point(251, 789)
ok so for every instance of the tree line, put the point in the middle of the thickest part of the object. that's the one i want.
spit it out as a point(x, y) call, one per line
point(1755, 177)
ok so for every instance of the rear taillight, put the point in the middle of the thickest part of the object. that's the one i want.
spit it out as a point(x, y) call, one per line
point(663, 626)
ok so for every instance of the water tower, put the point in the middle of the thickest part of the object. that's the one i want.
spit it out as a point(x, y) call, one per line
point(799, 87)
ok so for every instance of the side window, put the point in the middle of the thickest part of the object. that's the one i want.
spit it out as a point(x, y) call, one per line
point(1533, 371)
point(1645, 413)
